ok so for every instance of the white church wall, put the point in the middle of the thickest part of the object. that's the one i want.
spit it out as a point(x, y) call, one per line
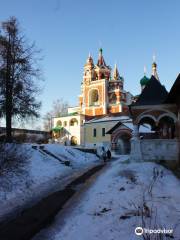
point(75, 130)
point(159, 149)
point(154, 149)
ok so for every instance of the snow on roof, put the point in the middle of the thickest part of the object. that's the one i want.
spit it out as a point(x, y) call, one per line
point(107, 119)
point(125, 120)
point(128, 124)
point(142, 129)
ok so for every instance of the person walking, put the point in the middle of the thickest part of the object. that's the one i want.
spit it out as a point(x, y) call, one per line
point(108, 154)
point(104, 154)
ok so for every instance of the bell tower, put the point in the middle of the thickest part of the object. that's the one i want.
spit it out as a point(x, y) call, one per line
point(95, 86)
point(101, 94)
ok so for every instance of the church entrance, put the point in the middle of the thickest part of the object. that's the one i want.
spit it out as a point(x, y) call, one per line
point(122, 145)
point(121, 141)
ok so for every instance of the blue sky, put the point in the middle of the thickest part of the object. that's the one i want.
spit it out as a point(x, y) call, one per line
point(128, 31)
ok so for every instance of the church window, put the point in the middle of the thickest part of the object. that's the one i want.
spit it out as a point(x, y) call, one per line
point(102, 76)
point(73, 122)
point(94, 76)
point(113, 98)
point(94, 97)
point(65, 123)
point(59, 123)
point(94, 132)
point(103, 132)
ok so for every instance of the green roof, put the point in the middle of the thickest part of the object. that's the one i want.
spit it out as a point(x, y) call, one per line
point(144, 81)
point(69, 114)
point(57, 128)
point(72, 114)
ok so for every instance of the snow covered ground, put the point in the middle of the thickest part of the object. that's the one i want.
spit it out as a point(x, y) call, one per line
point(123, 197)
point(40, 175)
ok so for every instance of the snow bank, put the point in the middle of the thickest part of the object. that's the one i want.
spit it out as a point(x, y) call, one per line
point(77, 158)
point(40, 175)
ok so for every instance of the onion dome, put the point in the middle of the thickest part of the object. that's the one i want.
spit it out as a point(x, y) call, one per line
point(101, 61)
point(144, 81)
point(154, 65)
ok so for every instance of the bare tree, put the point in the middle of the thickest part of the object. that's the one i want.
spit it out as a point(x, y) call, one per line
point(59, 108)
point(18, 72)
point(47, 123)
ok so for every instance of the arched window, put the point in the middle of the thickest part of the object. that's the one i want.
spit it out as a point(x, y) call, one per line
point(102, 76)
point(167, 127)
point(59, 123)
point(148, 126)
point(94, 97)
point(95, 77)
point(74, 141)
point(148, 120)
point(113, 98)
point(65, 123)
point(73, 122)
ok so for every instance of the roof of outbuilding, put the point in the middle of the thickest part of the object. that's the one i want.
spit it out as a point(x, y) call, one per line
point(108, 119)
point(128, 124)
point(110, 131)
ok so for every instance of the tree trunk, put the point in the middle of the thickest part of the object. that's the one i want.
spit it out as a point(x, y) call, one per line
point(8, 127)
point(8, 113)
point(8, 95)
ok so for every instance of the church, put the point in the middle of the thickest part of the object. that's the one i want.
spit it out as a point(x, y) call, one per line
point(109, 115)
point(102, 95)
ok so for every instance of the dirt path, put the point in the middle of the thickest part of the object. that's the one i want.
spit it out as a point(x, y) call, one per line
point(33, 219)
point(71, 204)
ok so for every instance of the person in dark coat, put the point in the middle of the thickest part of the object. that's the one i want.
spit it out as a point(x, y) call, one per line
point(104, 155)
point(108, 154)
